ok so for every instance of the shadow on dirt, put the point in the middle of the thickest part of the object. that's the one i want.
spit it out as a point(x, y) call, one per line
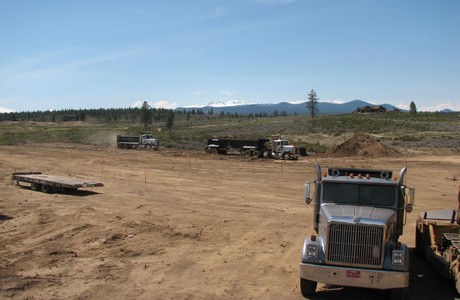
point(424, 283)
point(70, 192)
point(5, 217)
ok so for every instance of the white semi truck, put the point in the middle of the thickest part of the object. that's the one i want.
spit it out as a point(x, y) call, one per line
point(358, 216)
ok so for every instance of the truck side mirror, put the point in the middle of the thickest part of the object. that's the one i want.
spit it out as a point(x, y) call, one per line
point(307, 193)
point(410, 198)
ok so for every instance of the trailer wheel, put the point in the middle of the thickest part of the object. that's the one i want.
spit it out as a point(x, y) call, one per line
point(256, 154)
point(247, 153)
point(47, 188)
point(35, 186)
point(307, 287)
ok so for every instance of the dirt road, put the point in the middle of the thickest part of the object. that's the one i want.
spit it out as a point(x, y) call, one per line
point(181, 225)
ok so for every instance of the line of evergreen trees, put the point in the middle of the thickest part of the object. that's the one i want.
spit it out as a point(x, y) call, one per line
point(118, 115)
point(106, 115)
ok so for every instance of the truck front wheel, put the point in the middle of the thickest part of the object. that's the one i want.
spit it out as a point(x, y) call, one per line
point(307, 287)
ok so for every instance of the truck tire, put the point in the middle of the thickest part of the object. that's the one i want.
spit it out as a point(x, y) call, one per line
point(247, 153)
point(287, 156)
point(47, 188)
point(256, 154)
point(267, 154)
point(36, 186)
point(307, 287)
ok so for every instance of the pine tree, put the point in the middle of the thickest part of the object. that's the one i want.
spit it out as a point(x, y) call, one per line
point(146, 117)
point(312, 103)
point(170, 120)
point(412, 108)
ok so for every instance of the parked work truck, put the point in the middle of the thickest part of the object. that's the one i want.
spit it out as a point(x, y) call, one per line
point(437, 238)
point(358, 216)
point(140, 141)
point(266, 148)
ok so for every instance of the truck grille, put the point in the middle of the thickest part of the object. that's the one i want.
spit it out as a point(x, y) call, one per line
point(355, 244)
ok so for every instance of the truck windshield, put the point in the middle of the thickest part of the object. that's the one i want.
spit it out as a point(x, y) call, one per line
point(359, 194)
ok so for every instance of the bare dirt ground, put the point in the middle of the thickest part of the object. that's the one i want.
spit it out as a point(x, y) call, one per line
point(183, 225)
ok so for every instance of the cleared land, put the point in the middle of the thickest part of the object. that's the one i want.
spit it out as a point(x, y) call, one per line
point(182, 224)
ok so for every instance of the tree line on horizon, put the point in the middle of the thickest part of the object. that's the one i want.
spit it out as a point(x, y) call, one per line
point(120, 115)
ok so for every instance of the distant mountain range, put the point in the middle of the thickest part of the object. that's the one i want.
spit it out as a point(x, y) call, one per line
point(324, 108)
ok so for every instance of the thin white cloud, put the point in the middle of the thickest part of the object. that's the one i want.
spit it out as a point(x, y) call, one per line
point(227, 93)
point(439, 107)
point(53, 63)
point(403, 105)
point(334, 101)
point(137, 104)
point(158, 104)
point(164, 104)
point(5, 110)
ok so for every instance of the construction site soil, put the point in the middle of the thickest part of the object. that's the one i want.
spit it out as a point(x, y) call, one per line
point(364, 145)
point(174, 224)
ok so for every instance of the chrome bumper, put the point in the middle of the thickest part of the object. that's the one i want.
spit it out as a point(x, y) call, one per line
point(366, 278)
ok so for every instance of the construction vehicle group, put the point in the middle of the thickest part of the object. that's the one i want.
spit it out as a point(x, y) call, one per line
point(358, 216)
point(260, 148)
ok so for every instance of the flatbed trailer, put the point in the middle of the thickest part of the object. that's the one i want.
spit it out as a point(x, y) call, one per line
point(50, 184)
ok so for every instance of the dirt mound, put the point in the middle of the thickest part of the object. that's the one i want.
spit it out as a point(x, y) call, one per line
point(364, 145)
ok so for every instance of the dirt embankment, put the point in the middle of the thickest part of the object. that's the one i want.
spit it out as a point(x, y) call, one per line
point(362, 144)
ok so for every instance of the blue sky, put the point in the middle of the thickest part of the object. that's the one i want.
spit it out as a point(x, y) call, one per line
point(69, 54)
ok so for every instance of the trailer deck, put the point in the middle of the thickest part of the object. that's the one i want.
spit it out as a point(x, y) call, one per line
point(49, 183)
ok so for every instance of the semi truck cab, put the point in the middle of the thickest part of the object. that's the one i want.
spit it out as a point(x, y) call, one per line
point(148, 140)
point(282, 149)
point(358, 216)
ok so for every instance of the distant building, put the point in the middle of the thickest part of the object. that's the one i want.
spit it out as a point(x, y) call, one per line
point(371, 109)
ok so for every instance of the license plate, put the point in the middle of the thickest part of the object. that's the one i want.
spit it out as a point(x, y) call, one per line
point(353, 274)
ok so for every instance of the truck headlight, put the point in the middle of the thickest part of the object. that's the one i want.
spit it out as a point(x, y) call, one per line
point(312, 250)
point(397, 257)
